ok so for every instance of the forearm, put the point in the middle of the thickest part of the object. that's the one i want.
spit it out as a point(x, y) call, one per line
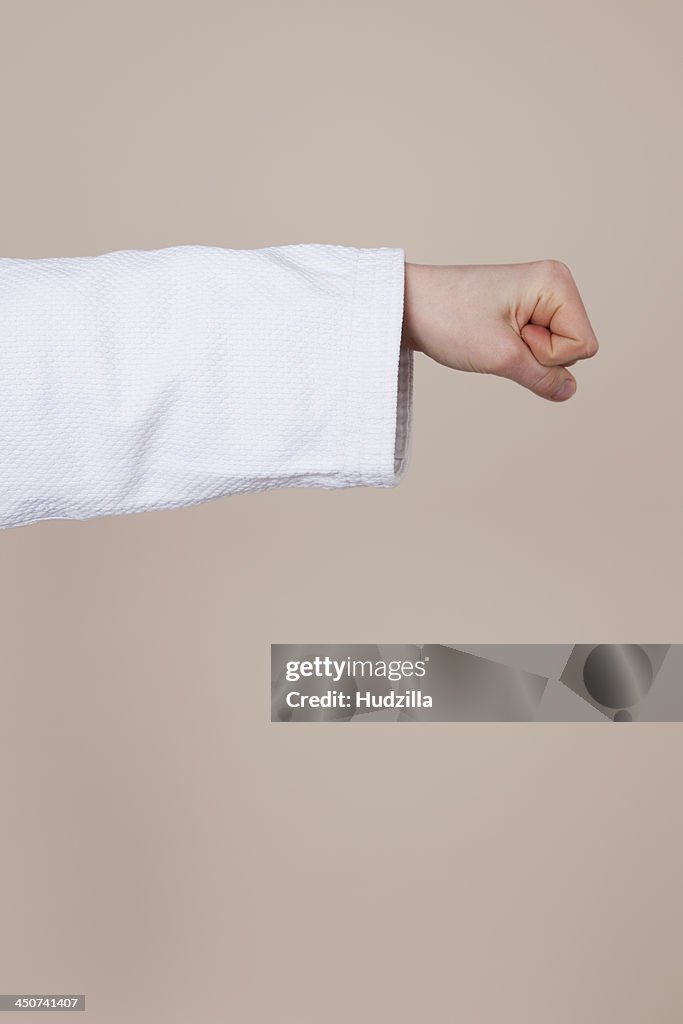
point(411, 326)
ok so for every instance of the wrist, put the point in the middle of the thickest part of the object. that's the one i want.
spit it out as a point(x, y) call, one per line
point(408, 334)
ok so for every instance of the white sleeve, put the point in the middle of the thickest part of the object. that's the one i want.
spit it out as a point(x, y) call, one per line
point(153, 379)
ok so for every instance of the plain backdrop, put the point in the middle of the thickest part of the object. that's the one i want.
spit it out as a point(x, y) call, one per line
point(164, 848)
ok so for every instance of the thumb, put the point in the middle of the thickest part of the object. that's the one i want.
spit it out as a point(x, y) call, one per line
point(555, 383)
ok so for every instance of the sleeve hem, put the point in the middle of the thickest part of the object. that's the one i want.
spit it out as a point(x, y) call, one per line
point(380, 382)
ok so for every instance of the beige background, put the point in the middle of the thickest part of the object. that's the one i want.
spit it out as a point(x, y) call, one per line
point(164, 848)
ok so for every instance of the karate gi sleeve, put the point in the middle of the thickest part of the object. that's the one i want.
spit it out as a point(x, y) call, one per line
point(143, 380)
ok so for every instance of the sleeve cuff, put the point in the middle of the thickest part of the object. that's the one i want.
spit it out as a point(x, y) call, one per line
point(380, 372)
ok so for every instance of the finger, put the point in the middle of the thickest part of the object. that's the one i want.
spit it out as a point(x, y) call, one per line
point(559, 329)
point(554, 383)
point(549, 349)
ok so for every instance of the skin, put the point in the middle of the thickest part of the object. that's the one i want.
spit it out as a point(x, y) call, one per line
point(523, 321)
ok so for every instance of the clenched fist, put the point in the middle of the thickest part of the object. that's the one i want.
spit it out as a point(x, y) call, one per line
point(523, 321)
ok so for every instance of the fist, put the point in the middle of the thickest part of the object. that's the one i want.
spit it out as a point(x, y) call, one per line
point(523, 321)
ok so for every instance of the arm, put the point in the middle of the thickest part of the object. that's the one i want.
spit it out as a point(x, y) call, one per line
point(144, 380)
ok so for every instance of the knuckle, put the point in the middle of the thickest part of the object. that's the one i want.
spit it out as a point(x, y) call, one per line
point(547, 384)
point(558, 270)
point(587, 348)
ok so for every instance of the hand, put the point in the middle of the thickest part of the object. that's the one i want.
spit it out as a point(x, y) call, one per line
point(523, 321)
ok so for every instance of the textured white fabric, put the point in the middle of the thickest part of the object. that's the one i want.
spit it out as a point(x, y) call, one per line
point(154, 379)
